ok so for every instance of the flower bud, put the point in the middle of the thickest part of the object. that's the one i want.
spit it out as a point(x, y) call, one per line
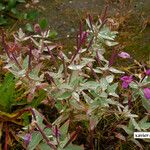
point(124, 55)
point(147, 72)
point(147, 93)
point(37, 28)
point(27, 138)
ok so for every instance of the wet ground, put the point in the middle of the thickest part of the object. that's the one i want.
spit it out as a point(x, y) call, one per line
point(64, 17)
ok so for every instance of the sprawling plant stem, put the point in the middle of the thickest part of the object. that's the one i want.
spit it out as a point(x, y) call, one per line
point(73, 136)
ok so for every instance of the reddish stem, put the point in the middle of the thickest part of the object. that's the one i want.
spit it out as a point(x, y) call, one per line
point(6, 138)
point(30, 57)
point(73, 136)
point(97, 58)
point(112, 57)
point(90, 21)
point(5, 45)
point(52, 56)
point(45, 137)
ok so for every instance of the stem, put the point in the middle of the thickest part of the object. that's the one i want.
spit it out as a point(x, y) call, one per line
point(73, 136)
point(16, 61)
point(104, 14)
point(5, 45)
point(90, 43)
point(129, 99)
point(81, 31)
point(49, 78)
point(52, 56)
point(30, 57)
point(45, 138)
point(103, 18)
point(112, 57)
point(143, 78)
point(65, 70)
point(93, 72)
point(90, 21)
point(91, 140)
point(64, 65)
point(82, 39)
point(95, 75)
point(57, 134)
point(97, 58)
point(6, 138)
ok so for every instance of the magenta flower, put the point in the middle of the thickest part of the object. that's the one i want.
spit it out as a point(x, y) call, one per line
point(124, 55)
point(27, 138)
point(147, 72)
point(147, 93)
point(126, 80)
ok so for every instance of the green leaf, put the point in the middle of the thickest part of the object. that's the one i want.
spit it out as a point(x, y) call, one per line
point(77, 105)
point(103, 84)
point(36, 101)
point(137, 143)
point(32, 15)
point(73, 147)
point(126, 129)
point(75, 79)
point(53, 34)
point(2, 7)
point(11, 3)
point(44, 146)
point(110, 78)
point(25, 62)
point(82, 64)
point(48, 132)
point(91, 85)
point(135, 124)
point(75, 95)
point(43, 23)
point(39, 118)
point(87, 98)
point(36, 138)
point(3, 21)
point(115, 70)
point(106, 34)
point(134, 85)
point(25, 118)
point(145, 102)
point(111, 89)
point(112, 102)
point(144, 124)
point(65, 95)
point(14, 11)
point(7, 92)
point(76, 67)
point(21, 1)
point(110, 43)
point(34, 74)
point(64, 129)
point(29, 27)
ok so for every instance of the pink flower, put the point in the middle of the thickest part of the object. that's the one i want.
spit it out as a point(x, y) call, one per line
point(147, 72)
point(124, 55)
point(27, 138)
point(126, 81)
point(147, 93)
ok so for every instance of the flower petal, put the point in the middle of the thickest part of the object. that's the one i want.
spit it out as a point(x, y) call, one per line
point(124, 55)
point(147, 93)
point(125, 85)
point(147, 72)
